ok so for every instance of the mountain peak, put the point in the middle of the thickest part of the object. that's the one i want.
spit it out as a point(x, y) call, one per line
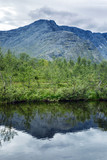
point(45, 21)
point(45, 39)
point(50, 23)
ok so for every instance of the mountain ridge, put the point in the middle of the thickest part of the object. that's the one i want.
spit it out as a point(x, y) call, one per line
point(46, 39)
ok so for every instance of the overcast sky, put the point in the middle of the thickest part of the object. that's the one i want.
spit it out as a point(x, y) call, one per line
point(86, 14)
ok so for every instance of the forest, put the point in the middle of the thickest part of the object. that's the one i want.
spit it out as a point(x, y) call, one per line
point(24, 79)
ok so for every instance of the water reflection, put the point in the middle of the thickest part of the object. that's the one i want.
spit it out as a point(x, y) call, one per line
point(6, 134)
point(44, 120)
point(53, 131)
point(89, 144)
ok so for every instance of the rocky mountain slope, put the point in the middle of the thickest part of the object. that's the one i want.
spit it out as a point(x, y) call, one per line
point(45, 39)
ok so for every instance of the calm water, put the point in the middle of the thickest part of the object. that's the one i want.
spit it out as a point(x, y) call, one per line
point(66, 131)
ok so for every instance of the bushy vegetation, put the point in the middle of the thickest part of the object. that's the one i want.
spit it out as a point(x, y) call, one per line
point(29, 79)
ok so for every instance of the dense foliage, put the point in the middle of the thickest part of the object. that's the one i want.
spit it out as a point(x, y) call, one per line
point(29, 79)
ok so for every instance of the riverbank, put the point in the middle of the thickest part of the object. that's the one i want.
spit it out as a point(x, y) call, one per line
point(20, 94)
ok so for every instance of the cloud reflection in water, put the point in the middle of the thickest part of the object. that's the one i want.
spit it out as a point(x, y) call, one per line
point(85, 145)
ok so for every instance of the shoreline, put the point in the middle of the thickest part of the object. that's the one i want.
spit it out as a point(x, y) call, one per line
point(53, 101)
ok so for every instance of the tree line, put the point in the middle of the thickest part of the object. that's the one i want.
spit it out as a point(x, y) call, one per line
point(23, 78)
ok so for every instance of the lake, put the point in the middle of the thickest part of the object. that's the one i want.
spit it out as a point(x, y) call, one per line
point(53, 131)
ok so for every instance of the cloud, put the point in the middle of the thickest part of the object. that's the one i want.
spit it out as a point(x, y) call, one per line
point(7, 17)
point(61, 17)
point(49, 13)
point(11, 18)
point(88, 18)
point(79, 13)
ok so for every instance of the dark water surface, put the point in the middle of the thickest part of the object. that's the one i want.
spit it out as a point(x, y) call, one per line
point(65, 131)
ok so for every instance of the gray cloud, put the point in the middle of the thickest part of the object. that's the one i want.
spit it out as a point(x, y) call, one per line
point(70, 18)
point(62, 17)
point(50, 13)
point(80, 13)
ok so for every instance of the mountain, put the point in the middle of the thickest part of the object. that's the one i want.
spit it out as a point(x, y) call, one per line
point(45, 39)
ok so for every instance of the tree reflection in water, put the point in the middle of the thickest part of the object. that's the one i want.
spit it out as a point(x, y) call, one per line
point(45, 119)
point(6, 134)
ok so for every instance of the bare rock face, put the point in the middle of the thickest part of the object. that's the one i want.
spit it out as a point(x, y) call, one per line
point(45, 39)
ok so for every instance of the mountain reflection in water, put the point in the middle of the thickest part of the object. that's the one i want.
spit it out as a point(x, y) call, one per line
point(56, 130)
